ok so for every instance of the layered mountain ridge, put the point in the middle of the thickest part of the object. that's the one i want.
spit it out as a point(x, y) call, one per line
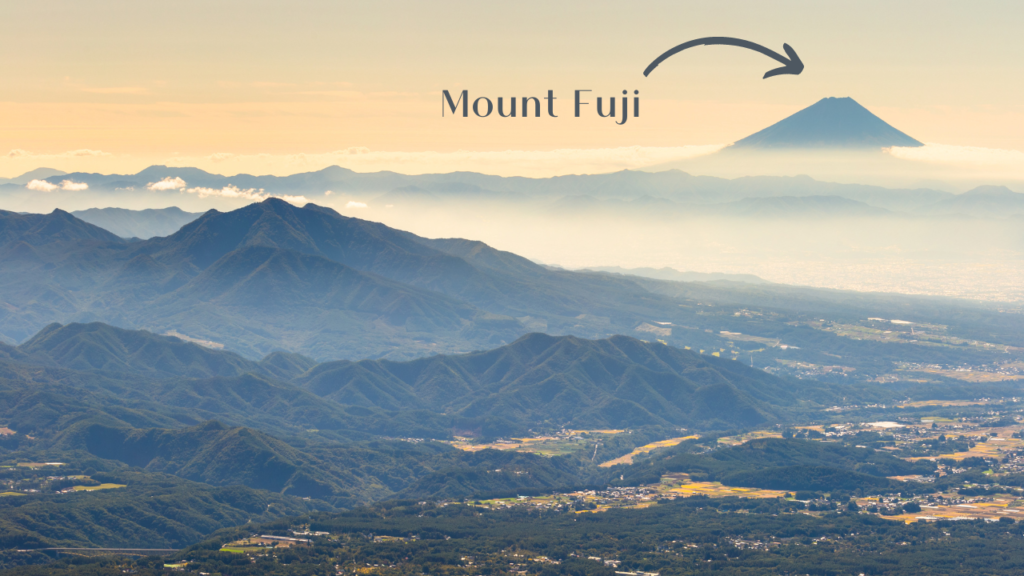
point(160, 405)
point(275, 277)
point(538, 379)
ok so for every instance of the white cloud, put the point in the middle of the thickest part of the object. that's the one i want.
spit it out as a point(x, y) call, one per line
point(960, 155)
point(354, 204)
point(296, 200)
point(73, 186)
point(251, 194)
point(44, 186)
point(328, 193)
point(230, 191)
point(41, 186)
point(167, 183)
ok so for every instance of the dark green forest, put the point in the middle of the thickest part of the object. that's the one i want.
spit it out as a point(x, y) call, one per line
point(692, 536)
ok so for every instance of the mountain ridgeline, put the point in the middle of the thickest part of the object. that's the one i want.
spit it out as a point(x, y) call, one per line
point(834, 140)
point(565, 381)
point(273, 277)
point(270, 274)
point(101, 347)
point(137, 223)
point(536, 381)
point(132, 406)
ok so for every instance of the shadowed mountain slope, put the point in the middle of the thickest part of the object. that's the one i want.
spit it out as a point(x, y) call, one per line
point(271, 276)
point(151, 511)
point(619, 382)
point(286, 365)
point(99, 346)
point(100, 374)
point(56, 227)
point(264, 278)
point(316, 304)
point(780, 464)
point(499, 282)
point(311, 230)
point(137, 223)
point(121, 377)
point(344, 475)
point(211, 453)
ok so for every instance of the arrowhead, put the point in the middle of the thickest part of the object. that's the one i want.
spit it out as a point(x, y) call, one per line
point(795, 65)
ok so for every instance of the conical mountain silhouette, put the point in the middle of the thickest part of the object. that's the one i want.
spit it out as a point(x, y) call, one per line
point(829, 123)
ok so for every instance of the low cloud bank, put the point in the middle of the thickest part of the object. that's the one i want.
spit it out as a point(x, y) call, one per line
point(250, 194)
point(44, 186)
point(41, 186)
point(167, 183)
point(993, 161)
point(73, 186)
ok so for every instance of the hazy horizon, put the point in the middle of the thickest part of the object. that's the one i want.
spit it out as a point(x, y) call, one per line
point(281, 90)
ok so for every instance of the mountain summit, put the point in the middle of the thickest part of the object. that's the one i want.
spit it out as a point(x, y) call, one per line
point(829, 123)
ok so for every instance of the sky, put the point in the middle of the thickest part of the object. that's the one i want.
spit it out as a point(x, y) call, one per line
point(283, 87)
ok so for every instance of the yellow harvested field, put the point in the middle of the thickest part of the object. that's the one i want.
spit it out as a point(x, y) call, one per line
point(470, 447)
point(716, 490)
point(998, 508)
point(94, 488)
point(742, 438)
point(994, 448)
point(628, 458)
point(535, 445)
point(566, 443)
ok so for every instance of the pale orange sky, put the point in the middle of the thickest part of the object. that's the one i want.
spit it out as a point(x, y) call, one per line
point(278, 87)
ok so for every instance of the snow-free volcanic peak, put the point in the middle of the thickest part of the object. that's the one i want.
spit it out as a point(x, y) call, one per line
point(829, 123)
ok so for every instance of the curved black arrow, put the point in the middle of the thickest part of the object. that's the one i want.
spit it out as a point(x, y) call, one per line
point(791, 65)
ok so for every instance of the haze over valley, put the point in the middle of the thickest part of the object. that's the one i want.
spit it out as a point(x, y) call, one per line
point(937, 238)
